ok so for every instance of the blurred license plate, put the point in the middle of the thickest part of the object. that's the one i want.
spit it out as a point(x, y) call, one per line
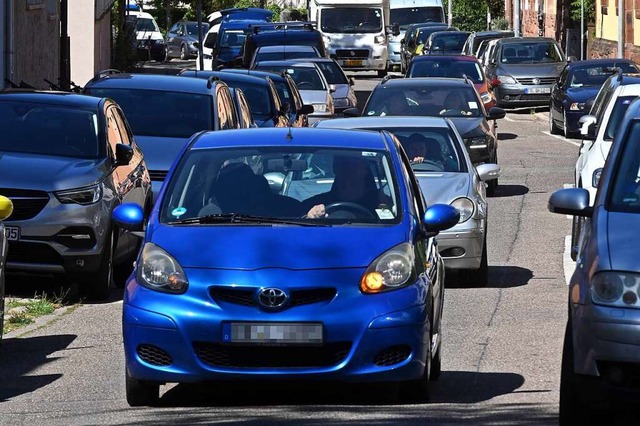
point(12, 233)
point(352, 63)
point(272, 333)
point(537, 90)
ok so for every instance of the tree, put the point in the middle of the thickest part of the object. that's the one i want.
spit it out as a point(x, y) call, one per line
point(589, 10)
point(469, 15)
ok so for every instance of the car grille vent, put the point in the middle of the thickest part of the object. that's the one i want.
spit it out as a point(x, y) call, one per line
point(158, 174)
point(26, 203)
point(392, 355)
point(219, 355)
point(232, 295)
point(20, 251)
point(543, 80)
point(247, 297)
point(154, 355)
point(357, 53)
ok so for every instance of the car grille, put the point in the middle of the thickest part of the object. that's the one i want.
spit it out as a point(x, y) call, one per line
point(154, 355)
point(392, 355)
point(219, 355)
point(247, 297)
point(158, 174)
point(347, 53)
point(543, 80)
point(32, 253)
point(536, 97)
point(26, 203)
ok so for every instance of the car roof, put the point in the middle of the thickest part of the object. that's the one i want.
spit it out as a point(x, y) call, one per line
point(448, 33)
point(426, 24)
point(166, 83)
point(287, 48)
point(600, 61)
point(286, 63)
point(224, 76)
point(382, 121)
point(275, 76)
point(287, 136)
point(51, 98)
point(509, 40)
point(423, 81)
point(445, 57)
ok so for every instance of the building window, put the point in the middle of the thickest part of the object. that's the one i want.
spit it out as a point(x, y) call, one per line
point(636, 8)
point(35, 4)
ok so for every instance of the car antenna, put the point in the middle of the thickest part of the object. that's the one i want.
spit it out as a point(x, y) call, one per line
point(289, 134)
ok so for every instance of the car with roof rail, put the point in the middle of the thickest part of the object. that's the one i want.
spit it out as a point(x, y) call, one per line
point(283, 53)
point(165, 110)
point(477, 37)
point(415, 37)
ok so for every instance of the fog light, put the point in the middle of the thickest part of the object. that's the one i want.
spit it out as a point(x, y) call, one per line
point(457, 251)
point(80, 263)
point(629, 298)
point(506, 97)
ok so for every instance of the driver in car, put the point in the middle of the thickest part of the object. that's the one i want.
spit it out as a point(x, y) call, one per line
point(353, 185)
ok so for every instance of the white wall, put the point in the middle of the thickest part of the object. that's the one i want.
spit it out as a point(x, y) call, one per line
point(82, 34)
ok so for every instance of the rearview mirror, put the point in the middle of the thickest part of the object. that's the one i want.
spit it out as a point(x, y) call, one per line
point(129, 216)
point(572, 201)
point(488, 171)
point(495, 113)
point(572, 59)
point(306, 109)
point(351, 112)
point(332, 88)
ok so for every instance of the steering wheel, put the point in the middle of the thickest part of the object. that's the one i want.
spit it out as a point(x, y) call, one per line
point(305, 85)
point(345, 205)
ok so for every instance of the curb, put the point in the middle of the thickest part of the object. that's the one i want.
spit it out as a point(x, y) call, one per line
point(38, 323)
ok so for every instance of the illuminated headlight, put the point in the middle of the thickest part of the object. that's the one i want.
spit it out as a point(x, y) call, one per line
point(159, 271)
point(507, 79)
point(476, 143)
point(379, 39)
point(576, 106)
point(205, 56)
point(466, 208)
point(595, 180)
point(319, 107)
point(393, 269)
point(619, 289)
point(83, 196)
point(486, 97)
point(341, 102)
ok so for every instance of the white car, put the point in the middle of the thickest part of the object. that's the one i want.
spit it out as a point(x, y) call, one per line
point(599, 129)
point(148, 35)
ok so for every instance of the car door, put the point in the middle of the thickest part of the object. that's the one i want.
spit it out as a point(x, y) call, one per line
point(171, 40)
point(557, 94)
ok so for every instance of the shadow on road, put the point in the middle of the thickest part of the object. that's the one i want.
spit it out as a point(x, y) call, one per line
point(19, 357)
point(510, 191)
point(506, 136)
point(508, 276)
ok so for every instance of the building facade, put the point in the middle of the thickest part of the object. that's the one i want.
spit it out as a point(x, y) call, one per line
point(605, 42)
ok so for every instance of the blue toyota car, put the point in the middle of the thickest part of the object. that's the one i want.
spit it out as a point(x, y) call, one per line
point(300, 254)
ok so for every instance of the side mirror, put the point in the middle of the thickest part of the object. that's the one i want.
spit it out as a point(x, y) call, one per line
point(572, 201)
point(306, 109)
point(352, 82)
point(6, 207)
point(351, 112)
point(124, 154)
point(495, 113)
point(586, 123)
point(129, 216)
point(332, 88)
point(572, 59)
point(488, 171)
point(559, 85)
point(439, 217)
point(403, 41)
point(210, 43)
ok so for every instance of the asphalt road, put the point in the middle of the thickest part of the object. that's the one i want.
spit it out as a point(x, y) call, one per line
point(501, 343)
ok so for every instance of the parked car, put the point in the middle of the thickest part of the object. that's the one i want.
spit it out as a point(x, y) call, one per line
point(578, 83)
point(331, 312)
point(261, 93)
point(414, 38)
point(283, 53)
point(84, 162)
point(311, 83)
point(150, 42)
point(442, 97)
point(610, 105)
point(601, 350)
point(183, 39)
point(446, 176)
point(453, 66)
point(522, 70)
point(341, 86)
point(288, 93)
point(165, 110)
point(6, 208)
point(445, 42)
point(477, 37)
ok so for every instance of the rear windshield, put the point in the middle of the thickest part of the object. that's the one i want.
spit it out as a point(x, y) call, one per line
point(283, 56)
point(448, 42)
point(306, 78)
point(446, 68)
point(332, 72)
point(49, 130)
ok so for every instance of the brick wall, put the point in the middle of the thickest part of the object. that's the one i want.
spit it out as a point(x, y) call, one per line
point(601, 48)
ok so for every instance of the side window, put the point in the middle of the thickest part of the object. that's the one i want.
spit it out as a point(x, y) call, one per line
point(226, 109)
point(276, 98)
point(418, 205)
point(174, 29)
point(563, 76)
point(297, 98)
point(245, 112)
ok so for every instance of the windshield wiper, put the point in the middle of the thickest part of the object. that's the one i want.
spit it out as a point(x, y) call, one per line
point(242, 218)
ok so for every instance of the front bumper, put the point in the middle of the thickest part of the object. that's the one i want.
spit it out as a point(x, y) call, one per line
point(187, 332)
point(462, 248)
point(517, 95)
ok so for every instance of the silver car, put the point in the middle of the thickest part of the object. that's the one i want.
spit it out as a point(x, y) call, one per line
point(436, 153)
point(6, 208)
point(312, 85)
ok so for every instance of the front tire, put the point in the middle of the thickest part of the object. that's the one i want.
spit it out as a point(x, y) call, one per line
point(553, 129)
point(565, 126)
point(141, 393)
point(483, 272)
point(576, 227)
point(382, 73)
point(184, 55)
point(99, 287)
point(572, 410)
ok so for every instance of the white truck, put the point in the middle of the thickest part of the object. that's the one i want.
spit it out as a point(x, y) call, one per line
point(355, 32)
point(405, 13)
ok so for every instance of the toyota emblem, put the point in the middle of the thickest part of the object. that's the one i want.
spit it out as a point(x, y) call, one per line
point(536, 80)
point(352, 53)
point(272, 297)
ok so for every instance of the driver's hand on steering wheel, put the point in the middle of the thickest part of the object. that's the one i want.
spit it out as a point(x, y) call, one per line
point(317, 212)
point(417, 160)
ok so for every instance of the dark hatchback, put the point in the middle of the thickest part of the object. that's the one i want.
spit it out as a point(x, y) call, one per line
point(445, 42)
point(416, 35)
point(578, 83)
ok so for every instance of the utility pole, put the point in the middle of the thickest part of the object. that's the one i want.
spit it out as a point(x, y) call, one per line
point(199, 16)
point(450, 12)
point(65, 62)
point(582, 30)
point(516, 18)
point(621, 14)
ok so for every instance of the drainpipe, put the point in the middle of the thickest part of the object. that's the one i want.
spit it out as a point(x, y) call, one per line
point(9, 41)
point(621, 15)
point(65, 62)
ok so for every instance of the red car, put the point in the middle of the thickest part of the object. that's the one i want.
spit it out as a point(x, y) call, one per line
point(453, 66)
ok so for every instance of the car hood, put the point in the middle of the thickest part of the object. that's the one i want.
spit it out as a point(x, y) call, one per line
point(467, 126)
point(623, 240)
point(443, 187)
point(582, 94)
point(532, 70)
point(53, 173)
point(144, 35)
point(289, 247)
point(160, 153)
point(313, 96)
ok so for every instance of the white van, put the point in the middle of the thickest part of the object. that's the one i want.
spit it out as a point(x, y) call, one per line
point(148, 35)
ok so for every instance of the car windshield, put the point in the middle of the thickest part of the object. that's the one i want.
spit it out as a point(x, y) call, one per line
point(597, 74)
point(146, 24)
point(619, 108)
point(257, 96)
point(283, 183)
point(332, 72)
point(232, 38)
point(430, 149)
point(283, 55)
point(424, 33)
point(446, 68)
point(48, 130)
point(428, 100)
point(530, 52)
point(306, 78)
point(406, 16)
point(351, 20)
point(625, 195)
point(162, 113)
point(448, 43)
point(192, 28)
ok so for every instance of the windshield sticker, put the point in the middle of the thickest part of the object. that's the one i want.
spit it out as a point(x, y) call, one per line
point(385, 213)
point(368, 154)
point(473, 105)
point(178, 211)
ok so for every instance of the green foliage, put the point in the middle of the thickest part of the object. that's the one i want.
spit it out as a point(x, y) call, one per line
point(124, 46)
point(589, 10)
point(469, 15)
point(499, 24)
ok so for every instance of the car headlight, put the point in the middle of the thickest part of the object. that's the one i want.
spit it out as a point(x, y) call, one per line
point(507, 79)
point(319, 107)
point(341, 102)
point(379, 39)
point(576, 106)
point(83, 196)
point(466, 208)
point(595, 179)
point(476, 143)
point(486, 97)
point(391, 270)
point(159, 271)
point(619, 289)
